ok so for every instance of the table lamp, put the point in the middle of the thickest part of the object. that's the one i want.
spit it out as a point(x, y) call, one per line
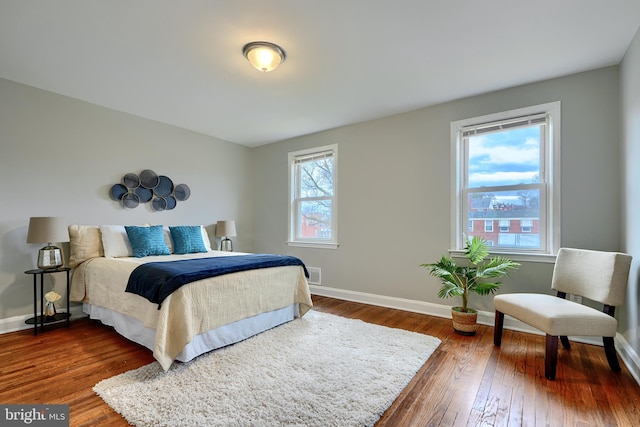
point(48, 229)
point(225, 229)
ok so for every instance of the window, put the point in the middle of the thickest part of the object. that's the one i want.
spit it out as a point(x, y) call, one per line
point(313, 197)
point(506, 168)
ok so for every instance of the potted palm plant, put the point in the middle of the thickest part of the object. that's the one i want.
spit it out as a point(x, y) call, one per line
point(476, 276)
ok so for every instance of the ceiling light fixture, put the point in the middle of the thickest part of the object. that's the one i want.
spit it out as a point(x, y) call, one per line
point(264, 56)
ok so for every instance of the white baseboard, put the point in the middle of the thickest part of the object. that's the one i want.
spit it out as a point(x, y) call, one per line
point(629, 357)
point(625, 351)
point(17, 323)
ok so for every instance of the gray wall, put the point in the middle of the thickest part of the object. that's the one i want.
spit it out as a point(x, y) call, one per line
point(397, 170)
point(60, 156)
point(630, 90)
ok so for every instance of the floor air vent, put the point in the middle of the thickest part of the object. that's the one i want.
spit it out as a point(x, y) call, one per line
point(315, 277)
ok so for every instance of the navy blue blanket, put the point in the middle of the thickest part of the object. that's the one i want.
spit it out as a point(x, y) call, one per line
point(157, 280)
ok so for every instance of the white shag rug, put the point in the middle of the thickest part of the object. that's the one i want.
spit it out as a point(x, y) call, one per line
point(320, 370)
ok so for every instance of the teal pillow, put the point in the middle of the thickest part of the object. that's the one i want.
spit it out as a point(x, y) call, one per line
point(187, 239)
point(147, 241)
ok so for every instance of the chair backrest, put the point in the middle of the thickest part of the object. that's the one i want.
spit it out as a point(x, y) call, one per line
point(599, 276)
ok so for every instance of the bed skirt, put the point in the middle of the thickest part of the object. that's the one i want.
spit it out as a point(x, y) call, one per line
point(222, 336)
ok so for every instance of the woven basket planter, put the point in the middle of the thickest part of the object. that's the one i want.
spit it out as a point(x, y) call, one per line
point(464, 323)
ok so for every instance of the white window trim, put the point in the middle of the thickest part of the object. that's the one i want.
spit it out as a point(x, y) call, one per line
point(551, 165)
point(323, 244)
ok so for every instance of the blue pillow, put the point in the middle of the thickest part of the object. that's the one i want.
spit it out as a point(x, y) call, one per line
point(147, 241)
point(187, 239)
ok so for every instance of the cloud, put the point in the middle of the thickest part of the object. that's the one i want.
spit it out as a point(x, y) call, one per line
point(488, 179)
point(504, 158)
point(488, 151)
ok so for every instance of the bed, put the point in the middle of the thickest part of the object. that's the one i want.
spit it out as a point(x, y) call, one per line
point(197, 317)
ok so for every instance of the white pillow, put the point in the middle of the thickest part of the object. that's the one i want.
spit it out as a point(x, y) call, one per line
point(167, 237)
point(205, 238)
point(115, 241)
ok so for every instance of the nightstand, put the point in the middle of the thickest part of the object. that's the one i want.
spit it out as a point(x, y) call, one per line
point(42, 319)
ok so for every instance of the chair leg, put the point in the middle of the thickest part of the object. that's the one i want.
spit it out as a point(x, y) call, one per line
point(565, 342)
point(612, 356)
point(551, 357)
point(497, 330)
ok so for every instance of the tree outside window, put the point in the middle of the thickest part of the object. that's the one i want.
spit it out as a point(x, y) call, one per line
point(313, 196)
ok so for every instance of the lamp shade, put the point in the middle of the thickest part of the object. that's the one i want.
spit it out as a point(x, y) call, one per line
point(264, 56)
point(226, 229)
point(47, 229)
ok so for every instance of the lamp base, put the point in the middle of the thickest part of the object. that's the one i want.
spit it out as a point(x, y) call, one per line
point(49, 257)
point(226, 245)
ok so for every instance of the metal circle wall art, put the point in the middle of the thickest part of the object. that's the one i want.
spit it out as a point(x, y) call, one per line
point(159, 204)
point(164, 187)
point(149, 187)
point(182, 192)
point(149, 179)
point(171, 202)
point(144, 194)
point(130, 200)
point(131, 180)
point(117, 191)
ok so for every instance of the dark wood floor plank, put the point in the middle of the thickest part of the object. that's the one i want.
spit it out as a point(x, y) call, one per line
point(466, 382)
point(516, 359)
point(473, 367)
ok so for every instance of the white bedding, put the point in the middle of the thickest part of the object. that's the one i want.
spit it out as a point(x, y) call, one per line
point(195, 308)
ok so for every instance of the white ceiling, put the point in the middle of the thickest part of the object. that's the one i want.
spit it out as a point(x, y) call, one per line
point(181, 63)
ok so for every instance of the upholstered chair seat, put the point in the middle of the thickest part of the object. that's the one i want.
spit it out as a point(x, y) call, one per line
point(599, 276)
point(556, 316)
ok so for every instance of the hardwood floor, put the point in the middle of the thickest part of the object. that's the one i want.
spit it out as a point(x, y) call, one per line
point(466, 382)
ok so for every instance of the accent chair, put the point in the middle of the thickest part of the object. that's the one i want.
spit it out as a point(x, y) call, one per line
point(595, 275)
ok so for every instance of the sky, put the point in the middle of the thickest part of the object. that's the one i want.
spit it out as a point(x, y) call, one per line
point(505, 158)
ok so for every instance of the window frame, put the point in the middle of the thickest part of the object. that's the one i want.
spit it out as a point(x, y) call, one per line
point(488, 226)
point(294, 199)
point(549, 186)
